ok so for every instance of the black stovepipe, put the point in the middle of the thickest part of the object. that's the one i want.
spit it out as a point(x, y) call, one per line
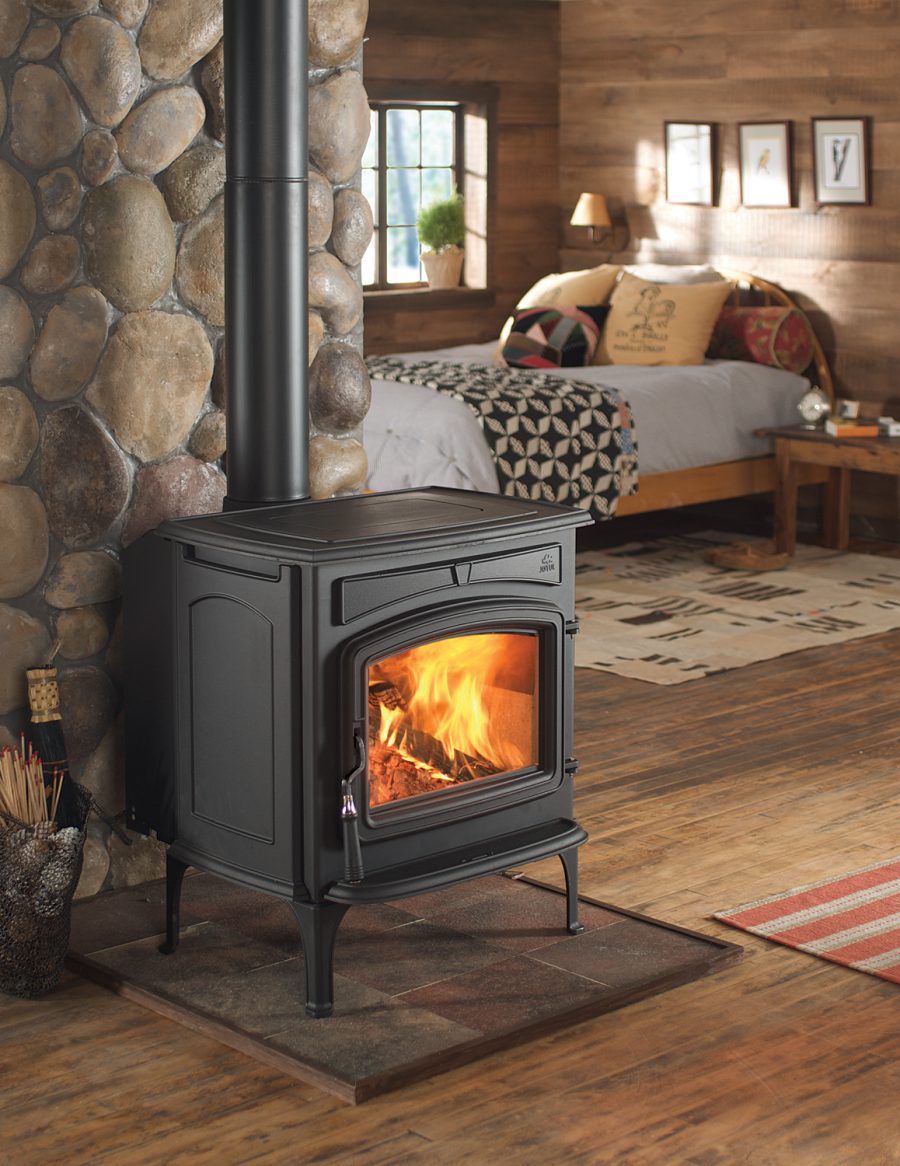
point(266, 251)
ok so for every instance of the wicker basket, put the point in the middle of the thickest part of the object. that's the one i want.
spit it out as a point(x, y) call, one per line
point(39, 872)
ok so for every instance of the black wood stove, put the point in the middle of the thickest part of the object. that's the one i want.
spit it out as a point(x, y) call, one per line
point(345, 701)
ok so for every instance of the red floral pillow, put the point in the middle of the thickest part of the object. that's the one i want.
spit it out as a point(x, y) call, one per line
point(780, 337)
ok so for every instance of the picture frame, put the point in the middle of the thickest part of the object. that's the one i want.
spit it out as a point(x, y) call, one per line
point(690, 153)
point(841, 160)
point(766, 164)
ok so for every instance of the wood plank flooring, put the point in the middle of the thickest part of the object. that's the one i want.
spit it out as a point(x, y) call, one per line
point(697, 797)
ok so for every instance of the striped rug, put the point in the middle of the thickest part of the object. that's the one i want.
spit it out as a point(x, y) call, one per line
point(852, 920)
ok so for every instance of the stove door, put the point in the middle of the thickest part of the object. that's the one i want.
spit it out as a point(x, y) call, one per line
point(458, 716)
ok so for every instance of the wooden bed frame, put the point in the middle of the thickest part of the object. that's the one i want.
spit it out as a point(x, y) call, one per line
point(724, 480)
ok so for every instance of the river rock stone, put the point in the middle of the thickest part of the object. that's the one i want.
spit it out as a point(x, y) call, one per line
point(127, 12)
point(176, 488)
point(200, 267)
point(16, 333)
point(315, 334)
point(103, 65)
point(40, 41)
point(24, 643)
point(3, 106)
point(82, 632)
point(160, 128)
point(104, 770)
point(25, 538)
point(84, 577)
point(177, 34)
point(14, 16)
point(129, 242)
point(115, 653)
point(333, 291)
point(336, 30)
point(46, 124)
point(84, 477)
point(340, 391)
point(69, 345)
point(339, 124)
point(18, 218)
point(321, 209)
point(212, 83)
point(18, 433)
point(142, 862)
point(94, 867)
point(99, 155)
point(87, 701)
point(208, 439)
point(336, 465)
point(60, 195)
point(193, 181)
point(353, 226)
point(52, 265)
point(152, 381)
point(64, 8)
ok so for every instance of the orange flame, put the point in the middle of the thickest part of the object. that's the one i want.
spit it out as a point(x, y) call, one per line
point(458, 692)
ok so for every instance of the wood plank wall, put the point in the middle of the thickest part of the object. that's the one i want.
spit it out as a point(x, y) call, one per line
point(513, 46)
point(625, 68)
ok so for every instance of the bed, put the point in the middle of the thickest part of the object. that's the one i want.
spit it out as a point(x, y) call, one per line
point(694, 424)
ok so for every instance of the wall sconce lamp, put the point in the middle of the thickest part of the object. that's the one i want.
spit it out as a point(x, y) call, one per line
point(591, 211)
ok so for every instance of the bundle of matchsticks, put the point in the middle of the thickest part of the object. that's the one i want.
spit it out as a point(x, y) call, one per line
point(23, 794)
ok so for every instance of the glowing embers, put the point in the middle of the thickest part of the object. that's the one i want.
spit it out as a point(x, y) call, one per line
point(452, 711)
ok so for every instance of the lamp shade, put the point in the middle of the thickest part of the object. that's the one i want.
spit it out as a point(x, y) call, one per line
point(591, 211)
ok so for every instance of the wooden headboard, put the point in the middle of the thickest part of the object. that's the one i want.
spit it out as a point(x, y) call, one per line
point(751, 289)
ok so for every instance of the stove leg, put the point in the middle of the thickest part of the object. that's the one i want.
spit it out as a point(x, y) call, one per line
point(569, 859)
point(319, 923)
point(175, 871)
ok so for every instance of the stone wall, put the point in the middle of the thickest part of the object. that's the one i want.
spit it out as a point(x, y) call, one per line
point(111, 322)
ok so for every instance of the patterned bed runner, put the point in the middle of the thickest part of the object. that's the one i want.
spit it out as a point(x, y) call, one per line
point(552, 439)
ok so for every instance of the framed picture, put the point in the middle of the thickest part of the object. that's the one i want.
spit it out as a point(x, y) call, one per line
point(689, 162)
point(765, 154)
point(841, 159)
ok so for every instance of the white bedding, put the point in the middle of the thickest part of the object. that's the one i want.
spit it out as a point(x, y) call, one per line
point(684, 417)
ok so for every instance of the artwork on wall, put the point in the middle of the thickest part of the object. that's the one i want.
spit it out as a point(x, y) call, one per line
point(765, 163)
point(689, 162)
point(841, 159)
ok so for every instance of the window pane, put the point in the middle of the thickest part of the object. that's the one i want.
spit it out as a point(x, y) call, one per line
point(369, 186)
point(403, 255)
point(403, 197)
point(437, 137)
point(403, 137)
point(436, 185)
point(370, 158)
point(369, 261)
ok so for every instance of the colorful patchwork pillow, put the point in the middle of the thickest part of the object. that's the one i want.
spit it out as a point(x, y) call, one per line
point(543, 337)
point(777, 336)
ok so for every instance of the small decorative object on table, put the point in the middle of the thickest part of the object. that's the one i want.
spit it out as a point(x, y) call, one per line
point(40, 865)
point(813, 407)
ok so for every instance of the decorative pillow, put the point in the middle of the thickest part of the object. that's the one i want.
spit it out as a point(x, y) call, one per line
point(543, 337)
point(568, 289)
point(654, 323)
point(777, 336)
point(675, 272)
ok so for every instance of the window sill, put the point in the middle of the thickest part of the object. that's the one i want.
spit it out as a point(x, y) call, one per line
point(429, 299)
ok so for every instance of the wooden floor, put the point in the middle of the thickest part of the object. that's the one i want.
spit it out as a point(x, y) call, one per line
point(697, 797)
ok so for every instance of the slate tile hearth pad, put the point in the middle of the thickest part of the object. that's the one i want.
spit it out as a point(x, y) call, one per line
point(421, 985)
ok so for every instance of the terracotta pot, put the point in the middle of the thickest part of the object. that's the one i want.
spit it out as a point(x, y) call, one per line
point(443, 268)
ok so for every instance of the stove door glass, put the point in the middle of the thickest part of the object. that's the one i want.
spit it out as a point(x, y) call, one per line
point(452, 711)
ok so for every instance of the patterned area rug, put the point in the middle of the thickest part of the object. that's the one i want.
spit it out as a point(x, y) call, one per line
point(658, 611)
point(853, 920)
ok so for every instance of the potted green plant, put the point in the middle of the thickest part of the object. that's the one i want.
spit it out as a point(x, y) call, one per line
point(441, 228)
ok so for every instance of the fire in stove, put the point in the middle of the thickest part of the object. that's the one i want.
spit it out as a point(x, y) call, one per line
point(452, 711)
